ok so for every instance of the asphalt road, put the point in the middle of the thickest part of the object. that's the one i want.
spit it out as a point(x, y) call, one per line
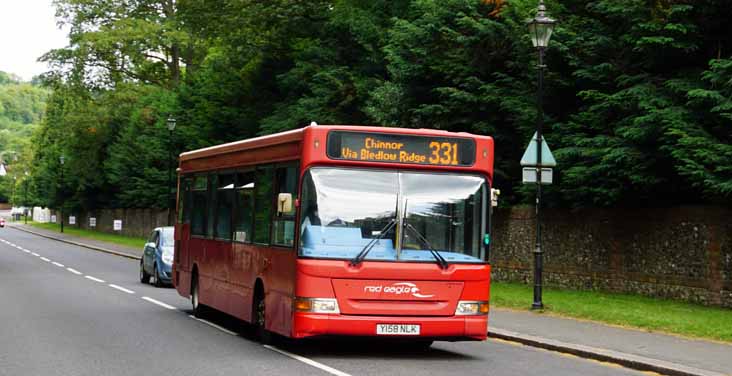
point(66, 310)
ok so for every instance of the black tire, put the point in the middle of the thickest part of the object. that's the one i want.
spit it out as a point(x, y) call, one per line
point(156, 277)
point(199, 310)
point(144, 277)
point(259, 319)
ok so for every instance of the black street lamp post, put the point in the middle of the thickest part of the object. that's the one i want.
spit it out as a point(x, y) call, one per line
point(169, 196)
point(540, 28)
point(25, 197)
point(61, 167)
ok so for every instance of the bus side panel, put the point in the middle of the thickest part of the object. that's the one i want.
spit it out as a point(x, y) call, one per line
point(242, 275)
point(277, 268)
point(196, 252)
point(181, 266)
point(217, 256)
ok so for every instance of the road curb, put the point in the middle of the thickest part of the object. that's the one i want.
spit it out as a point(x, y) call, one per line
point(627, 360)
point(100, 249)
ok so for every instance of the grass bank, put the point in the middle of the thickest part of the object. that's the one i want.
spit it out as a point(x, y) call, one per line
point(635, 311)
point(127, 241)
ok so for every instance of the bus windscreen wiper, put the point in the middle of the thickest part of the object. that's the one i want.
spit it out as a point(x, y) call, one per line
point(367, 248)
point(440, 260)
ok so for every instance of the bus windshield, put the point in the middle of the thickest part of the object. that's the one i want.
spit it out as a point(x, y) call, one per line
point(345, 209)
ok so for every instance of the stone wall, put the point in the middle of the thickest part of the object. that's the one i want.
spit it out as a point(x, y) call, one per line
point(679, 253)
point(135, 222)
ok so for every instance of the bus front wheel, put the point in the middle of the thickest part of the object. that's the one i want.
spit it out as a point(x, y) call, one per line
point(259, 317)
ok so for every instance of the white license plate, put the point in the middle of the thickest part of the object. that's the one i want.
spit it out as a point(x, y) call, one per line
point(397, 329)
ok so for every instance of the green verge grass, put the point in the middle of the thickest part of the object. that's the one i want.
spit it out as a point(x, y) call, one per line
point(635, 311)
point(127, 241)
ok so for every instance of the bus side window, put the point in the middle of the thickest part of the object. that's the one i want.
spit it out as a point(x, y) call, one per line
point(244, 207)
point(184, 201)
point(224, 206)
point(284, 223)
point(263, 204)
point(211, 223)
point(200, 201)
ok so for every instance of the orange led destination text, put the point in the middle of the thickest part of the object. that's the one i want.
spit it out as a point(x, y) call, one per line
point(382, 151)
point(385, 151)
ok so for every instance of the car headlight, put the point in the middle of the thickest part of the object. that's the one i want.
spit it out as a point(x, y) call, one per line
point(471, 308)
point(168, 258)
point(316, 305)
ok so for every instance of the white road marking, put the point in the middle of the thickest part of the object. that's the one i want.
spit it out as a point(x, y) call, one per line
point(153, 301)
point(120, 288)
point(74, 271)
point(45, 259)
point(26, 251)
point(58, 264)
point(35, 254)
point(94, 279)
point(307, 361)
point(227, 331)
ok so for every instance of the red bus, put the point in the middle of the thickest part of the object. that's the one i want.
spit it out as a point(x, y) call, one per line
point(340, 230)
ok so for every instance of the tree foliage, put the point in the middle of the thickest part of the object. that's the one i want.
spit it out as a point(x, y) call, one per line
point(22, 106)
point(638, 95)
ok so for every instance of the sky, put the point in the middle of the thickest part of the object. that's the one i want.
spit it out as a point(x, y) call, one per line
point(27, 31)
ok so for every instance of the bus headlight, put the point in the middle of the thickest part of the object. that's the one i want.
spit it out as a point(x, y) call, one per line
point(316, 305)
point(471, 308)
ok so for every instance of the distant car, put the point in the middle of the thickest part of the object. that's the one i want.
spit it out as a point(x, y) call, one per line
point(2, 222)
point(157, 258)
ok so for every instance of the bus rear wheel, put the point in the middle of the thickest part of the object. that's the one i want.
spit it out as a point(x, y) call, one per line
point(199, 310)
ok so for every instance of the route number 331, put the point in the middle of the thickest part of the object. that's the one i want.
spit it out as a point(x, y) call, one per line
point(443, 153)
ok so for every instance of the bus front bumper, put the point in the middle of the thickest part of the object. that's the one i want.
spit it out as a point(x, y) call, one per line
point(448, 328)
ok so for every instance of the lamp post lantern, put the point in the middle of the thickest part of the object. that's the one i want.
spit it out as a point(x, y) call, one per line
point(540, 28)
point(171, 127)
point(61, 182)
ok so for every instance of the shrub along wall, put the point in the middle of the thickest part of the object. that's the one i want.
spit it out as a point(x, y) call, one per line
point(680, 253)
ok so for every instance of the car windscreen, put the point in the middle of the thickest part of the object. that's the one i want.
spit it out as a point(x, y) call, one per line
point(166, 237)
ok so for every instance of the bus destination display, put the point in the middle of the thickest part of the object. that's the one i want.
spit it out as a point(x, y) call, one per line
point(396, 148)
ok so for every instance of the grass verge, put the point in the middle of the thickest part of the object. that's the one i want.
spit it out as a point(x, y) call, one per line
point(127, 241)
point(636, 311)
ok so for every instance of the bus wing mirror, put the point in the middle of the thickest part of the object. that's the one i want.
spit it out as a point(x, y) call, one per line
point(494, 196)
point(284, 203)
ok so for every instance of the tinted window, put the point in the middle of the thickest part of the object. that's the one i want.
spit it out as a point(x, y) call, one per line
point(284, 223)
point(224, 205)
point(184, 201)
point(198, 220)
point(263, 202)
point(211, 206)
point(244, 212)
point(153, 237)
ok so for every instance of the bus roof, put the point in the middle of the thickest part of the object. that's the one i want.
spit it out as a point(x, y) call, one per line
point(297, 135)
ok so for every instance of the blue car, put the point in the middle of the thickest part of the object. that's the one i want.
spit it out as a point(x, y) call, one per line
point(157, 258)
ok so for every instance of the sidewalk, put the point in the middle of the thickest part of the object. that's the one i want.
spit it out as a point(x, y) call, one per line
point(665, 354)
point(96, 245)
